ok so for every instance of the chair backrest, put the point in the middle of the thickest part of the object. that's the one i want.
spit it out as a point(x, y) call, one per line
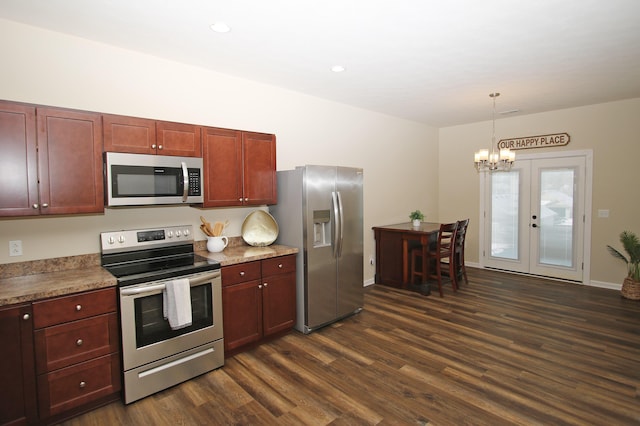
point(461, 232)
point(447, 236)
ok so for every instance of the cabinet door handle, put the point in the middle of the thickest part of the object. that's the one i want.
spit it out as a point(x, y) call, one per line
point(246, 199)
point(79, 342)
point(78, 308)
point(259, 286)
point(159, 146)
point(35, 206)
point(26, 317)
point(83, 384)
point(265, 284)
point(153, 146)
point(45, 205)
point(240, 199)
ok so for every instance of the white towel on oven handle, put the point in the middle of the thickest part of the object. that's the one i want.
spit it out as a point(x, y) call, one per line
point(176, 303)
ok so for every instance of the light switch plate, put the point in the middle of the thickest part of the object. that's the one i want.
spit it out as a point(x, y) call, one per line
point(603, 213)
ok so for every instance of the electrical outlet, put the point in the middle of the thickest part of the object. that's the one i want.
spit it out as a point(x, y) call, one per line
point(371, 260)
point(15, 248)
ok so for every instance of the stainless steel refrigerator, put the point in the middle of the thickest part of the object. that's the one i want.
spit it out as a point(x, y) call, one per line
point(319, 211)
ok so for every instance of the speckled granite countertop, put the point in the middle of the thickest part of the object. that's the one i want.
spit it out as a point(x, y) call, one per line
point(30, 281)
point(241, 254)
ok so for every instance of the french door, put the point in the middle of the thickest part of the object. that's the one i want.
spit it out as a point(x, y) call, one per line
point(535, 215)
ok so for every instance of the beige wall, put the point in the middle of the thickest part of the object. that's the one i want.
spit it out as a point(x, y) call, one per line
point(47, 68)
point(610, 130)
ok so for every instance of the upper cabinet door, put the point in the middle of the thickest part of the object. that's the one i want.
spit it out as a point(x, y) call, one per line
point(70, 161)
point(259, 155)
point(179, 139)
point(222, 158)
point(18, 160)
point(129, 134)
point(144, 136)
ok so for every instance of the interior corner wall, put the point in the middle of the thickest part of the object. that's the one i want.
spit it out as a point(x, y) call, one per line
point(610, 130)
point(48, 68)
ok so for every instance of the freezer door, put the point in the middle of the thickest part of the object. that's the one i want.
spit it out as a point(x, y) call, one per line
point(320, 290)
point(350, 279)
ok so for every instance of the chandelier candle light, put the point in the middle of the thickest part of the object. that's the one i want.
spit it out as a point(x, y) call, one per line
point(494, 161)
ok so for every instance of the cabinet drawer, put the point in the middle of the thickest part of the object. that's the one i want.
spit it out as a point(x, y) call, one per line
point(278, 265)
point(240, 273)
point(73, 307)
point(82, 383)
point(63, 345)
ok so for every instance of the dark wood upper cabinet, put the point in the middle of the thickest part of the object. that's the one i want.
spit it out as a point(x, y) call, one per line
point(70, 161)
point(51, 161)
point(129, 134)
point(18, 160)
point(240, 168)
point(144, 136)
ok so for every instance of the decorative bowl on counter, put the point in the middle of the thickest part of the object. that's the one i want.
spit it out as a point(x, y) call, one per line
point(259, 229)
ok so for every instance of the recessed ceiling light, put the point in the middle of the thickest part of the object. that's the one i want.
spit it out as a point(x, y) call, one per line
point(220, 27)
point(337, 68)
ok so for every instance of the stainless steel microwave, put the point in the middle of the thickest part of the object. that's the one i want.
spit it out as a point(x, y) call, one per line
point(142, 180)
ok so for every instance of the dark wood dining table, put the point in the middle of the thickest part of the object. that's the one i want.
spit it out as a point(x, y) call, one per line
point(392, 250)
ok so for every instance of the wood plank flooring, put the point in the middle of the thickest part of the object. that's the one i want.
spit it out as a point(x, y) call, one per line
point(504, 349)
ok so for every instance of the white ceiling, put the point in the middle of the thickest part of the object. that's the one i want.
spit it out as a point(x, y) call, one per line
point(424, 60)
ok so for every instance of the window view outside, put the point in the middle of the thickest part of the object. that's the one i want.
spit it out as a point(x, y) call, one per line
point(556, 217)
point(505, 202)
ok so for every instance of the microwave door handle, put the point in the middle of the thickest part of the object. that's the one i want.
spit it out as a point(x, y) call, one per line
point(185, 181)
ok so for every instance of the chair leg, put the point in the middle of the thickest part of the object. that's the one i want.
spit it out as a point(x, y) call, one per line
point(439, 276)
point(453, 274)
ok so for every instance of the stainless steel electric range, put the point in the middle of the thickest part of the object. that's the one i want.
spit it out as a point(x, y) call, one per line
point(155, 355)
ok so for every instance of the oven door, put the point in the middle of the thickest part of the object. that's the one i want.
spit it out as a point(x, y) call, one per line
point(146, 334)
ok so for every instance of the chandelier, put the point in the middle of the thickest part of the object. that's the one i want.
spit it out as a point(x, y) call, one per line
point(494, 161)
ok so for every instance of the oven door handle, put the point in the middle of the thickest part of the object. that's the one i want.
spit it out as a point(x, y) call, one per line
point(129, 291)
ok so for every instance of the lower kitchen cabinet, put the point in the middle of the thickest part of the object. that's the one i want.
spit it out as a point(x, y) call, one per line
point(76, 341)
point(259, 301)
point(18, 403)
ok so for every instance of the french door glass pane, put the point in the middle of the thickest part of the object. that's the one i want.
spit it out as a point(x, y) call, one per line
point(505, 190)
point(556, 217)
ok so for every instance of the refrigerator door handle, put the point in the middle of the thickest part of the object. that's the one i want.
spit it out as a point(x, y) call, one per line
point(336, 224)
point(341, 227)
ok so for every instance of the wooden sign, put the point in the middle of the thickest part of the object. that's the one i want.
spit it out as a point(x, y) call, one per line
point(543, 141)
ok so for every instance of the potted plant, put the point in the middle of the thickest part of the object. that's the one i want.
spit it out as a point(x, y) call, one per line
point(631, 244)
point(416, 217)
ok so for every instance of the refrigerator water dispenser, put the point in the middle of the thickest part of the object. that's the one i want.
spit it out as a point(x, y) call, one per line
point(321, 228)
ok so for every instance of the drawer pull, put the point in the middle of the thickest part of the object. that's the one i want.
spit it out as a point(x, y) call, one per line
point(78, 308)
point(242, 273)
point(26, 317)
point(83, 384)
point(280, 265)
point(79, 342)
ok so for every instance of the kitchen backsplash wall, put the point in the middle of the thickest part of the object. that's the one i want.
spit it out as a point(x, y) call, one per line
point(52, 237)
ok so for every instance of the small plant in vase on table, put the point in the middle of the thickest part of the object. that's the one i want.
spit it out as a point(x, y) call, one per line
point(416, 218)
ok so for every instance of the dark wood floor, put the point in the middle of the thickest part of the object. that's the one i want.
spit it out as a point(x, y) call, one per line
point(504, 349)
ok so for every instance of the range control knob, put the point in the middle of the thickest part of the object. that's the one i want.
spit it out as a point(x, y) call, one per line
point(186, 232)
point(178, 233)
point(169, 234)
point(111, 240)
point(121, 239)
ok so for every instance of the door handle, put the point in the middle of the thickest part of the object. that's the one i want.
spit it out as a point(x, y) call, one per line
point(534, 225)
